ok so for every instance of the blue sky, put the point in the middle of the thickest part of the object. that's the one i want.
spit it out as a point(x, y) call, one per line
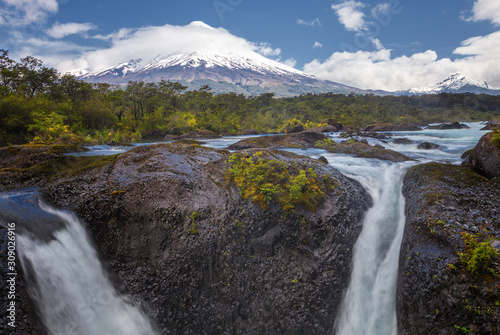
point(386, 44)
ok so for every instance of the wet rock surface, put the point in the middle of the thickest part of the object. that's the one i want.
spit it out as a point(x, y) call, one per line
point(442, 202)
point(428, 146)
point(305, 139)
point(364, 150)
point(403, 140)
point(453, 125)
point(202, 260)
point(492, 125)
point(485, 157)
point(193, 135)
point(395, 127)
point(23, 156)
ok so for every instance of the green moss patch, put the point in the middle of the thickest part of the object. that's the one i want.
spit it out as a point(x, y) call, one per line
point(268, 180)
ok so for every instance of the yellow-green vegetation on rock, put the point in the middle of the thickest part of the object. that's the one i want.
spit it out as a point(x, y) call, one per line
point(495, 140)
point(477, 255)
point(194, 226)
point(326, 143)
point(269, 180)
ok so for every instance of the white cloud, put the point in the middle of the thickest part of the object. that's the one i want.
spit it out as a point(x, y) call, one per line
point(149, 42)
point(381, 9)
point(477, 57)
point(51, 52)
point(317, 45)
point(60, 30)
point(117, 35)
point(312, 23)
point(379, 70)
point(486, 10)
point(350, 16)
point(265, 49)
point(376, 42)
point(290, 62)
point(23, 12)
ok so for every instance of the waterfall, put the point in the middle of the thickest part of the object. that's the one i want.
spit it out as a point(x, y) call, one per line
point(368, 306)
point(65, 277)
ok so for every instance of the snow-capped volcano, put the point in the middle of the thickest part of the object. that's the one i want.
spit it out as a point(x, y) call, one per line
point(253, 70)
point(119, 70)
point(456, 83)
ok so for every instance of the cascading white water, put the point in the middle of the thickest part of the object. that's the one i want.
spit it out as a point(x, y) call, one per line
point(369, 303)
point(75, 296)
point(71, 289)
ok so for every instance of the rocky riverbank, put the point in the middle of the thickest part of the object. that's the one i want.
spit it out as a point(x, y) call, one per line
point(449, 275)
point(194, 253)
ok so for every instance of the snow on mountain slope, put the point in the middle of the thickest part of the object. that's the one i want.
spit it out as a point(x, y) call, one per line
point(456, 83)
point(119, 70)
point(452, 83)
point(242, 70)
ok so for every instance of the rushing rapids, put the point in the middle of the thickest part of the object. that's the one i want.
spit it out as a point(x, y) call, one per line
point(74, 295)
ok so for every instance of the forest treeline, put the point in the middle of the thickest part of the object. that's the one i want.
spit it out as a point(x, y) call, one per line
point(38, 104)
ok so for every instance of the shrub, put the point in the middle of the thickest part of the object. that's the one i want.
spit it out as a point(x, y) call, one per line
point(271, 180)
point(477, 255)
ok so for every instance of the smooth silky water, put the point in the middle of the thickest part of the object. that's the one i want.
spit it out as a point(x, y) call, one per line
point(75, 296)
point(66, 279)
point(369, 303)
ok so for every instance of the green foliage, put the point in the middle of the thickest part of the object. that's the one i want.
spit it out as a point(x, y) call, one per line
point(268, 180)
point(48, 127)
point(326, 143)
point(463, 329)
point(477, 255)
point(31, 92)
point(495, 140)
point(194, 227)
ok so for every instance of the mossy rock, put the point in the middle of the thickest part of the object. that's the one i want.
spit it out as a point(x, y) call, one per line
point(363, 150)
point(38, 175)
point(26, 155)
point(446, 207)
point(304, 139)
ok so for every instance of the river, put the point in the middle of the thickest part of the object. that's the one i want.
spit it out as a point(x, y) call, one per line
point(74, 294)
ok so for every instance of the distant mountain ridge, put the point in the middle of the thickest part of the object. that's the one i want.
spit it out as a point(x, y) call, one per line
point(253, 75)
point(456, 83)
point(247, 75)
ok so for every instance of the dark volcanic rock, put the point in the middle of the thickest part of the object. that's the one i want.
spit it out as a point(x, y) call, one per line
point(194, 134)
point(492, 125)
point(338, 126)
point(485, 157)
point(201, 259)
point(364, 150)
point(324, 129)
point(443, 201)
point(23, 156)
point(376, 135)
point(395, 127)
point(304, 139)
point(403, 140)
point(295, 129)
point(428, 146)
point(453, 125)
